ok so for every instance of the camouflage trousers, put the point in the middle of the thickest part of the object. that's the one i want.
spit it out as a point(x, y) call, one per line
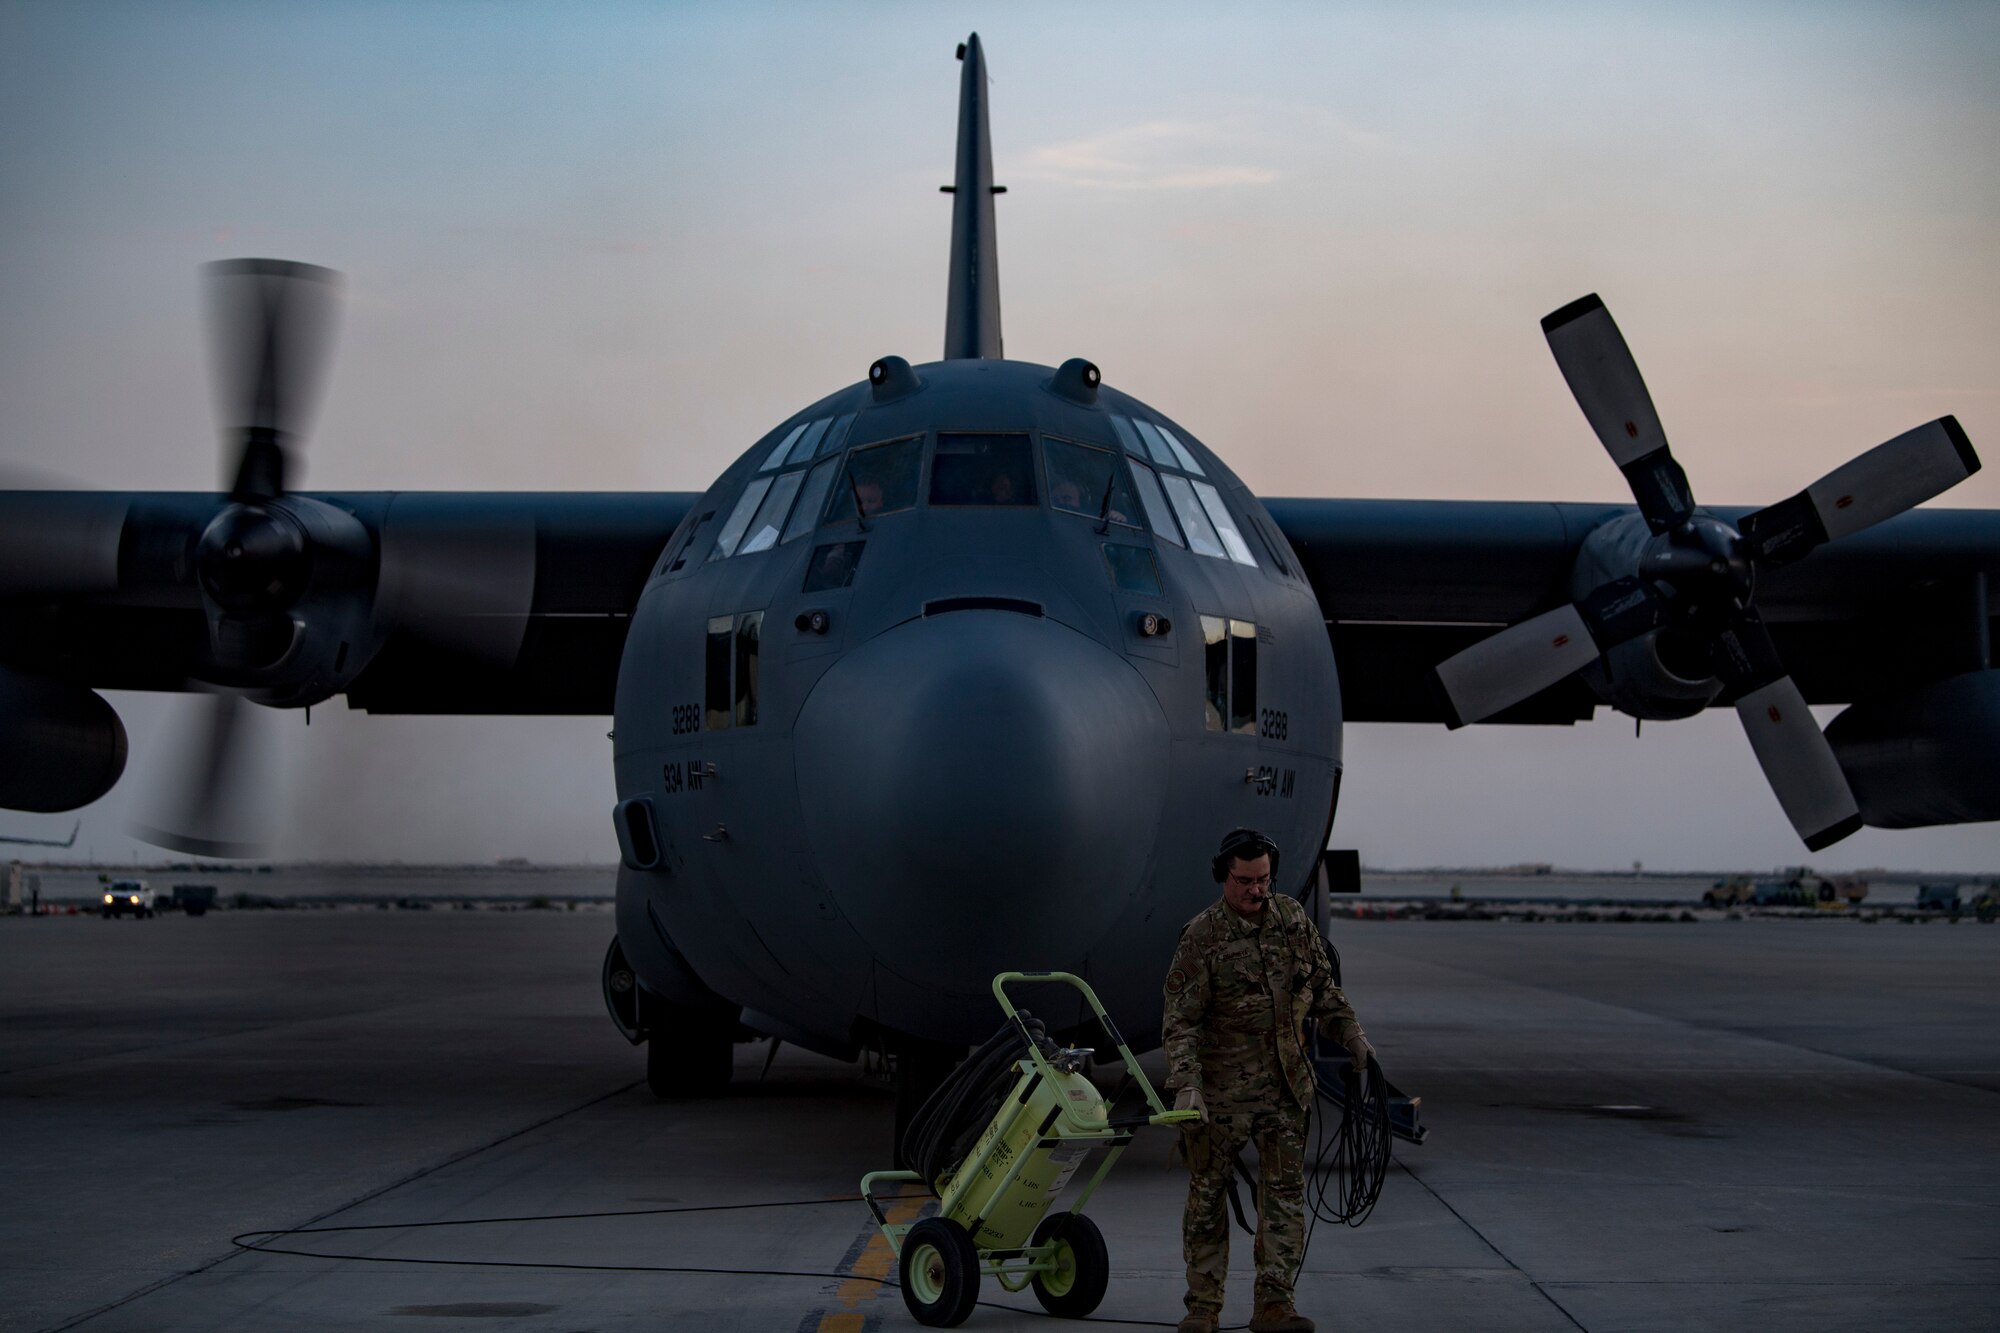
point(1280, 1135)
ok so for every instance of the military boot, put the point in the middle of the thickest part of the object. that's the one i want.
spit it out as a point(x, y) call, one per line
point(1279, 1317)
point(1199, 1321)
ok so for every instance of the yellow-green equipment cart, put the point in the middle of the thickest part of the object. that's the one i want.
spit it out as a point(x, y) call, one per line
point(992, 1215)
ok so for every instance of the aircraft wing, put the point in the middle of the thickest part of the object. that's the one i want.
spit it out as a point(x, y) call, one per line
point(416, 602)
point(1405, 584)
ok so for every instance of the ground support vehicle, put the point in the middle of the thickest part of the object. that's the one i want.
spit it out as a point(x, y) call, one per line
point(128, 897)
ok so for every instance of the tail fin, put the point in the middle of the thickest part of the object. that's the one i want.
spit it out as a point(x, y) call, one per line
point(972, 317)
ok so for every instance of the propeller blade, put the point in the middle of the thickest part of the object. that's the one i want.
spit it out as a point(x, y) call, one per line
point(1881, 483)
point(209, 805)
point(1605, 380)
point(1798, 763)
point(271, 324)
point(1523, 660)
point(1795, 756)
point(1518, 662)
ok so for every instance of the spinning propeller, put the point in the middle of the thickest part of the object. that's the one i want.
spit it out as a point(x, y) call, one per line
point(271, 325)
point(270, 336)
point(1697, 575)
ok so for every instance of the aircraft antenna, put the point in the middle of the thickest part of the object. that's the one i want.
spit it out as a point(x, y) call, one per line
point(972, 315)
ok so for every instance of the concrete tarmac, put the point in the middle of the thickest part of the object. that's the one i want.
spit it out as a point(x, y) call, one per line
point(1766, 1125)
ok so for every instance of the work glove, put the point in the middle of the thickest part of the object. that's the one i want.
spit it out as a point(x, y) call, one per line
point(1356, 1042)
point(1190, 1100)
point(1358, 1048)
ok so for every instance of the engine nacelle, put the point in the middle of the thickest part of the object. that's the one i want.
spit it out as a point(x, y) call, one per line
point(61, 746)
point(1658, 676)
point(1931, 756)
point(289, 587)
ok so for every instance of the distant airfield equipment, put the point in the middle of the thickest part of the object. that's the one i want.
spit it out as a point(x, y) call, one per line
point(1938, 898)
point(191, 899)
point(976, 645)
point(1799, 887)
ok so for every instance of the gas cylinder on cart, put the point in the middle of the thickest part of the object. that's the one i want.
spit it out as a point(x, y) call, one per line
point(1029, 1113)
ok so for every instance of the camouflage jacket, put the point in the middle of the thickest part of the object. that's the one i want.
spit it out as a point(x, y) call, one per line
point(1237, 995)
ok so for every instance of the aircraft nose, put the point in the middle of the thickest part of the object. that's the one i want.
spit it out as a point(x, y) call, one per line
point(983, 791)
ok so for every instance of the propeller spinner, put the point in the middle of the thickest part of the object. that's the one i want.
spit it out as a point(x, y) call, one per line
point(1698, 575)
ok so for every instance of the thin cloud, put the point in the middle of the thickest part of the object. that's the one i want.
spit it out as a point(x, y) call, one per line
point(1158, 155)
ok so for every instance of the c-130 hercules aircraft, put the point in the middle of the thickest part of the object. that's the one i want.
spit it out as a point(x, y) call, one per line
point(966, 667)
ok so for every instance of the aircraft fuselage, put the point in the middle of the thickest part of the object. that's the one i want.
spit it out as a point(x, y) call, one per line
point(903, 726)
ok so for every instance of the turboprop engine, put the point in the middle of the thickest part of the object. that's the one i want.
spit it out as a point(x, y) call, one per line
point(1663, 620)
point(64, 745)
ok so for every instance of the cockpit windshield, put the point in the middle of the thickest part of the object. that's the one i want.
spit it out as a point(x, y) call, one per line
point(983, 470)
point(1086, 480)
point(879, 479)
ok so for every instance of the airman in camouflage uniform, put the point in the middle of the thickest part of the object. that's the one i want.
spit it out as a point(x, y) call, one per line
point(1249, 973)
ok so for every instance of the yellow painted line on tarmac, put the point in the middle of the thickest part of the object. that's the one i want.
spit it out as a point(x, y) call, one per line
point(875, 1262)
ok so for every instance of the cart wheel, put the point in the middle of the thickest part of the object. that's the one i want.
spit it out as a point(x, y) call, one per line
point(940, 1272)
point(1074, 1287)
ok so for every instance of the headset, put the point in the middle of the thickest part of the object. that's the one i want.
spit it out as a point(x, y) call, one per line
point(1243, 844)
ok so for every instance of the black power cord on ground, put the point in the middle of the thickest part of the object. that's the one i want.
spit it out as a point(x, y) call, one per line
point(1355, 1154)
point(245, 1241)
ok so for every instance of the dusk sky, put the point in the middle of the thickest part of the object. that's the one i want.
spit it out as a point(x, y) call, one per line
point(605, 247)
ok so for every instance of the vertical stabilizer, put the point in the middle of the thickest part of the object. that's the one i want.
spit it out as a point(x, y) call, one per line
point(972, 317)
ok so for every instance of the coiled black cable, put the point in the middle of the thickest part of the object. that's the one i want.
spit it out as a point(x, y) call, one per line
point(1350, 1158)
point(948, 1124)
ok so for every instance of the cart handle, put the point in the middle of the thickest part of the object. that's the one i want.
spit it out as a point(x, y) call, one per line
point(1124, 1051)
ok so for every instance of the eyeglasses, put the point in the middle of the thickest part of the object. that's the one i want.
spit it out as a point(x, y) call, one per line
point(1246, 882)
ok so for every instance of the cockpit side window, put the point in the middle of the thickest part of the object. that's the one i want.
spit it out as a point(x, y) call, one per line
point(878, 479)
point(1225, 526)
point(1174, 488)
point(1086, 480)
point(776, 457)
point(1156, 445)
point(1215, 660)
point(1157, 511)
point(1200, 532)
point(812, 498)
point(1229, 696)
point(739, 519)
point(983, 470)
point(749, 631)
point(1180, 451)
point(770, 520)
point(1243, 677)
point(716, 704)
point(731, 665)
